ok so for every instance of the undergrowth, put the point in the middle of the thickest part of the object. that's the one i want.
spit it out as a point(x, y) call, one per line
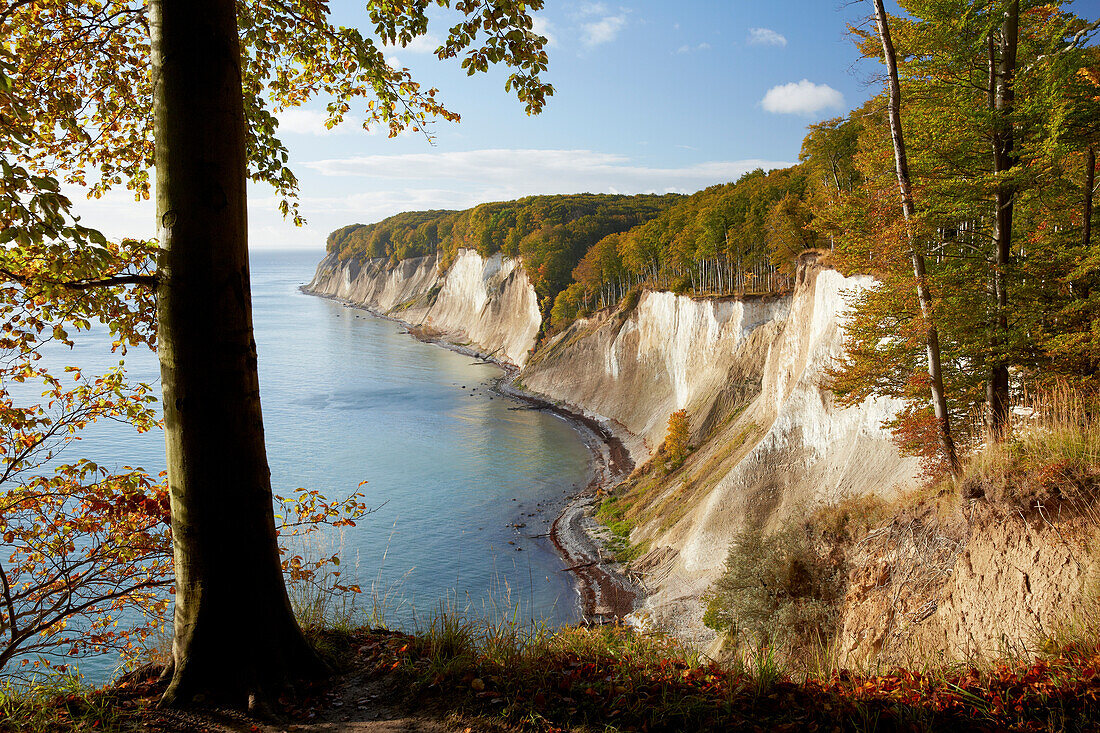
point(59, 702)
point(613, 679)
point(529, 677)
point(1050, 463)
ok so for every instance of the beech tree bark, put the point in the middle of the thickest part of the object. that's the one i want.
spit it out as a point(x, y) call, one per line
point(1002, 66)
point(236, 639)
point(924, 295)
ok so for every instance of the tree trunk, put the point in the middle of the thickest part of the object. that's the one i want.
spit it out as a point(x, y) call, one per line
point(1090, 183)
point(236, 640)
point(1004, 159)
point(924, 296)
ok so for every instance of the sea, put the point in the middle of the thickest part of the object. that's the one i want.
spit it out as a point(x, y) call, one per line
point(462, 483)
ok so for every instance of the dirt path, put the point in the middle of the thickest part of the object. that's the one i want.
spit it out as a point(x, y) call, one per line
point(355, 702)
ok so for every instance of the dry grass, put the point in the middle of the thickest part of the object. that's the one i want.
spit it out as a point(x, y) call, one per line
point(58, 703)
point(905, 549)
point(1051, 463)
point(849, 519)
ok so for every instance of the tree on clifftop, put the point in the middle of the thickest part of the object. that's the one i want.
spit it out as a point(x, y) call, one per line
point(984, 261)
point(89, 77)
point(920, 273)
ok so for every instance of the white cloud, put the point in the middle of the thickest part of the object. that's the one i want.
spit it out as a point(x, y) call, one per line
point(765, 37)
point(543, 27)
point(116, 214)
point(687, 48)
point(589, 8)
point(602, 31)
point(312, 122)
point(802, 97)
point(426, 43)
point(463, 179)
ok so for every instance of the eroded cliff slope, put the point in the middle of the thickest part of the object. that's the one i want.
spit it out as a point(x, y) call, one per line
point(486, 302)
point(771, 443)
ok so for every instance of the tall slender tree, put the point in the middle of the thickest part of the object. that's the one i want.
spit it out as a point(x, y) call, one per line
point(1002, 99)
point(920, 273)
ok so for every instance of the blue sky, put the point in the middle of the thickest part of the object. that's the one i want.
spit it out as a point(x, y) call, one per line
point(651, 96)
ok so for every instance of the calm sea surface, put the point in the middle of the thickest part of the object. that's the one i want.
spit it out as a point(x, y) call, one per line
point(450, 467)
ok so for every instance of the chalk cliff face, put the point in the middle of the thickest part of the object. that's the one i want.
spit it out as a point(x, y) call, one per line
point(487, 302)
point(771, 442)
point(668, 353)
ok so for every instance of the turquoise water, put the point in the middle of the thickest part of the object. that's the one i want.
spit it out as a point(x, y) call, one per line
point(450, 468)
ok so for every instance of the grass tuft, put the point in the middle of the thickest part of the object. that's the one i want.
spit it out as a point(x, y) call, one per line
point(1050, 465)
point(55, 703)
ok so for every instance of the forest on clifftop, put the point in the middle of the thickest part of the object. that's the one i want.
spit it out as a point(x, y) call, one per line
point(1001, 144)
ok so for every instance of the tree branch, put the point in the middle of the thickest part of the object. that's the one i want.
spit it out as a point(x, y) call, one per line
point(11, 606)
point(79, 285)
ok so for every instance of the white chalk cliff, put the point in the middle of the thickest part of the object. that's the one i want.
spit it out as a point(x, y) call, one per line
point(772, 443)
point(486, 302)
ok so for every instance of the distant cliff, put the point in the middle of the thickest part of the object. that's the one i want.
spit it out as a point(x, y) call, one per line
point(488, 303)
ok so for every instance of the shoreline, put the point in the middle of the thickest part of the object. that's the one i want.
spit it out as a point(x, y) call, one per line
point(606, 594)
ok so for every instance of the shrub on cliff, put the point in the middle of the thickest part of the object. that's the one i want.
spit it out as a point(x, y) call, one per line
point(775, 590)
point(630, 302)
point(679, 433)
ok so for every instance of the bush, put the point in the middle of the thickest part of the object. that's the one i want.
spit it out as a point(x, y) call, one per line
point(676, 441)
point(630, 302)
point(775, 589)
